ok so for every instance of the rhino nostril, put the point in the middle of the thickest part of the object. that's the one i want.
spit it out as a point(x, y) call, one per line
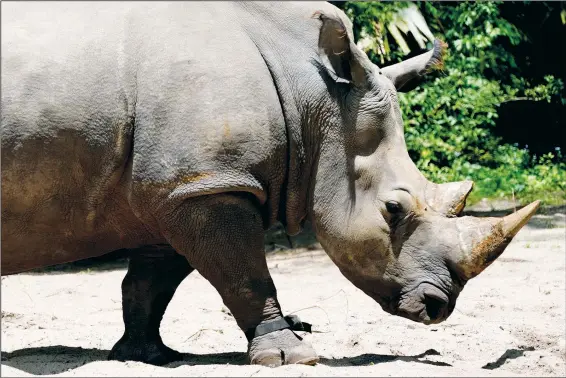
point(434, 306)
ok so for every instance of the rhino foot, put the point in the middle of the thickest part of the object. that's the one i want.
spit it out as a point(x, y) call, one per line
point(153, 353)
point(282, 347)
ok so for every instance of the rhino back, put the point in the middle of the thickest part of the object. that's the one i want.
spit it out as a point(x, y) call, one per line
point(170, 99)
point(208, 116)
point(67, 107)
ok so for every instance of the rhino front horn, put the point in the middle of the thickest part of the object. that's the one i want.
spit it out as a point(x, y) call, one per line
point(483, 240)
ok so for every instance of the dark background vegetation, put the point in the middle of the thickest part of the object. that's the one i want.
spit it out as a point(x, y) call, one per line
point(496, 112)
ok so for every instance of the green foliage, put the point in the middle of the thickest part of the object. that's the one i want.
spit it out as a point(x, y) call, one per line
point(449, 119)
point(371, 19)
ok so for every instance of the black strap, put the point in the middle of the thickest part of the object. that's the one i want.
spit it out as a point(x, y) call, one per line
point(291, 321)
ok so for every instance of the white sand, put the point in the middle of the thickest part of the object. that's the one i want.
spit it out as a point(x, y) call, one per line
point(508, 321)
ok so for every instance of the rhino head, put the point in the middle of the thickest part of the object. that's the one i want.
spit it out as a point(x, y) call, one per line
point(397, 236)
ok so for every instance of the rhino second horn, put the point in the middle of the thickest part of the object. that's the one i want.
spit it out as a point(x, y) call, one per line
point(449, 198)
point(489, 237)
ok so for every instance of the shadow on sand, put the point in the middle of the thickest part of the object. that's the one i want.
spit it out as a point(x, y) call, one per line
point(372, 359)
point(58, 359)
point(510, 354)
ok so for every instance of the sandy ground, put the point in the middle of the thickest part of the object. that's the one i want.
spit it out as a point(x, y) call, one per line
point(508, 321)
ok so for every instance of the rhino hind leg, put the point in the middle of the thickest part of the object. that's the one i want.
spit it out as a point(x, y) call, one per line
point(154, 273)
point(222, 237)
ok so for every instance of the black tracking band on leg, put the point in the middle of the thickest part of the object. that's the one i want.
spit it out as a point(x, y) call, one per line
point(291, 321)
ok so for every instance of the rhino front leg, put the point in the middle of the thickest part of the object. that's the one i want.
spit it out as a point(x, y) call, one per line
point(222, 237)
point(154, 273)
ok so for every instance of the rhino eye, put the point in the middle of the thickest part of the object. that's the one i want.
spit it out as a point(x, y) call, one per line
point(393, 207)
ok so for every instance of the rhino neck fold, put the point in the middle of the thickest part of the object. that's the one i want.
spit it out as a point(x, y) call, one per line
point(300, 159)
point(289, 64)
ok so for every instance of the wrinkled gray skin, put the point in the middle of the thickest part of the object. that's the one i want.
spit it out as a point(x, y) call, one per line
point(183, 130)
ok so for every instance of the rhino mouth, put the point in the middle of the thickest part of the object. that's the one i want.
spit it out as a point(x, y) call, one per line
point(426, 303)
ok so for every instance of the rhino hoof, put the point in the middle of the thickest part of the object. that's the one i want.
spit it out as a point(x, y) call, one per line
point(152, 353)
point(281, 348)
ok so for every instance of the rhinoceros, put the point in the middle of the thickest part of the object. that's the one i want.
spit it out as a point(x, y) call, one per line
point(183, 130)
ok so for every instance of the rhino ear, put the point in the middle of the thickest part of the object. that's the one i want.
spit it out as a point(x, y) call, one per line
point(404, 72)
point(342, 58)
